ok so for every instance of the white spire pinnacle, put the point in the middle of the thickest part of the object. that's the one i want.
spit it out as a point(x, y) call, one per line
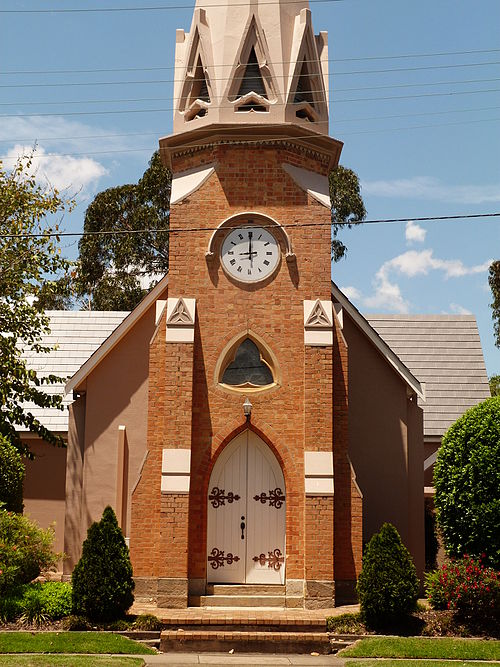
point(256, 62)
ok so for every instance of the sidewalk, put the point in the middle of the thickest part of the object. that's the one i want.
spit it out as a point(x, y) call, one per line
point(247, 659)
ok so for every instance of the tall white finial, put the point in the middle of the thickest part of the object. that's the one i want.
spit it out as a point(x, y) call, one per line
point(256, 62)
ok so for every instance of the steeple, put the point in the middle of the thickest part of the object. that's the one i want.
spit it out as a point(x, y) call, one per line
point(255, 62)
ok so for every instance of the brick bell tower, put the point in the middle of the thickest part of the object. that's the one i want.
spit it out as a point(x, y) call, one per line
point(247, 479)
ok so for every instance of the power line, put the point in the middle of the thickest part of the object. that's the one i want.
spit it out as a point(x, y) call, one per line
point(163, 81)
point(153, 148)
point(175, 99)
point(121, 232)
point(283, 62)
point(333, 120)
point(170, 109)
point(103, 10)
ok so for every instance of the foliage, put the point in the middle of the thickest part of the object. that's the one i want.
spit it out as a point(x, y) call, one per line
point(423, 647)
point(111, 266)
point(74, 623)
point(431, 540)
point(102, 579)
point(494, 281)
point(495, 385)
point(467, 586)
point(147, 622)
point(11, 476)
point(71, 642)
point(347, 206)
point(346, 624)
point(467, 481)
point(25, 550)
point(388, 585)
point(29, 263)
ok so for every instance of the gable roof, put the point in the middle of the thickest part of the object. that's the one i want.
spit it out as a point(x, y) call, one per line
point(445, 353)
point(381, 345)
point(77, 334)
point(115, 336)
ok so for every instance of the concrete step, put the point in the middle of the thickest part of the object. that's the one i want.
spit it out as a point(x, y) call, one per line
point(232, 601)
point(224, 640)
point(245, 589)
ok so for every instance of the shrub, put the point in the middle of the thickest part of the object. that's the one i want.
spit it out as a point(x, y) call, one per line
point(468, 587)
point(102, 579)
point(36, 603)
point(346, 624)
point(147, 622)
point(11, 476)
point(76, 623)
point(467, 481)
point(25, 550)
point(388, 585)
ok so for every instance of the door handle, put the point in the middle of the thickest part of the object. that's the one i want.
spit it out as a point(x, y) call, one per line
point(242, 526)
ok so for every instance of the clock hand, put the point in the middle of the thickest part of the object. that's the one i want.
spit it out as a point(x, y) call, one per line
point(250, 234)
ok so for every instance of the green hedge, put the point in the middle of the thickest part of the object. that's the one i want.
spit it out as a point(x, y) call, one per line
point(467, 481)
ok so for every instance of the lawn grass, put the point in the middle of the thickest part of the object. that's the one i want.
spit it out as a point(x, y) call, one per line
point(67, 661)
point(423, 647)
point(389, 662)
point(69, 642)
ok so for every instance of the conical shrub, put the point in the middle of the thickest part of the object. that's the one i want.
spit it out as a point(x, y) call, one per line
point(388, 584)
point(102, 579)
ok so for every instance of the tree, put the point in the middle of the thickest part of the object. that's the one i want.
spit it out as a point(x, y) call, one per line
point(30, 262)
point(495, 385)
point(347, 206)
point(110, 268)
point(388, 584)
point(494, 281)
point(102, 579)
point(467, 481)
point(11, 477)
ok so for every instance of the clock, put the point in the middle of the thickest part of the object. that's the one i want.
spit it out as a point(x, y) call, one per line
point(250, 254)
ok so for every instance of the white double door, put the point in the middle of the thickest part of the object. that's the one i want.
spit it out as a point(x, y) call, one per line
point(246, 515)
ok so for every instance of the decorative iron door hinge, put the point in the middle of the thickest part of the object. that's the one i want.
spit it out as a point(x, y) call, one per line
point(218, 497)
point(274, 560)
point(217, 558)
point(275, 497)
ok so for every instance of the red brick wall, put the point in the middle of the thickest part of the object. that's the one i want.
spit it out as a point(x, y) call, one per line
point(200, 414)
point(319, 538)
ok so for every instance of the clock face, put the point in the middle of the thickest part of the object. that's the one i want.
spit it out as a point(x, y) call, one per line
point(250, 254)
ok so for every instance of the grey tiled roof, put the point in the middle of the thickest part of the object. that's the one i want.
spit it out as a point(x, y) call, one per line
point(77, 335)
point(445, 353)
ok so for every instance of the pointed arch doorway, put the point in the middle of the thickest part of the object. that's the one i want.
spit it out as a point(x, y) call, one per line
point(246, 515)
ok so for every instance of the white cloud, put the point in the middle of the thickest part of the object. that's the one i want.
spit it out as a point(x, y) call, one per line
point(352, 293)
point(387, 293)
point(387, 296)
point(413, 263)
point(459, 310)
point(61, 134)
point(62, 172)
point(414, 232)
point(420, 187)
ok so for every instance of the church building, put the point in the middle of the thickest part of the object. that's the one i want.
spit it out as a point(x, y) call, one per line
point(246, 422)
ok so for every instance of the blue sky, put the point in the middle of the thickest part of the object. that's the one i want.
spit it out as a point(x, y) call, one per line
point(433, 148)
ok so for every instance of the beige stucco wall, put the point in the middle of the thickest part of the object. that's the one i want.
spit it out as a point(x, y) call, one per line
point(44, 487)
point(385, 444)
point(116, 394)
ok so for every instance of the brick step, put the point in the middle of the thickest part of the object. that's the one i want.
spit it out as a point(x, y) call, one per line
point(231, 601)
point(224, 640)
point(245, 589)
point(232, 625)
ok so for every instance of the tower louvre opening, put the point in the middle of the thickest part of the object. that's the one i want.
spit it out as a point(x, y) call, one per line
point(304, 91)
point(252, 81)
